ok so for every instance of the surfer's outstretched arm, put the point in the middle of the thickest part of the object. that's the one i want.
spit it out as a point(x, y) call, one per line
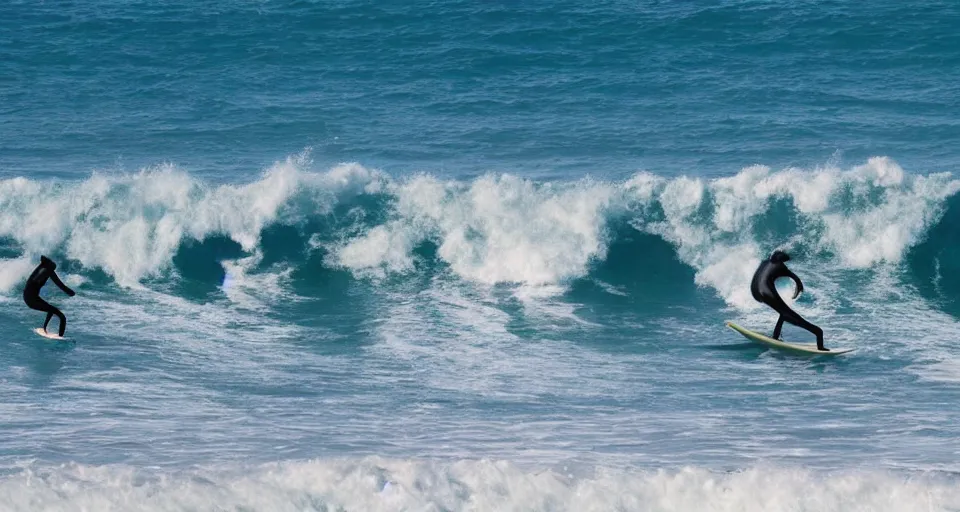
point(791, 275)
point(59, 283)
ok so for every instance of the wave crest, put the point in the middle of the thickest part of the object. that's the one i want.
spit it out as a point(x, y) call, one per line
point(494, 229)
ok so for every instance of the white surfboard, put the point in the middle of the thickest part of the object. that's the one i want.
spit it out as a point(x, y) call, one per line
point(48, 335)
point(797, 348)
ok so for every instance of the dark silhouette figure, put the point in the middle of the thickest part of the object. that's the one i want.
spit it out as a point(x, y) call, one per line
point(31, 292)
point(764, 290)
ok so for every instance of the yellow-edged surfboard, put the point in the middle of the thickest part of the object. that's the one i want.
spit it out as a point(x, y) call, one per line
point(796, 348)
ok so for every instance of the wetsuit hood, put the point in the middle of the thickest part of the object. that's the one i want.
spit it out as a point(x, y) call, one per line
point(779, 257)
point(47, 262)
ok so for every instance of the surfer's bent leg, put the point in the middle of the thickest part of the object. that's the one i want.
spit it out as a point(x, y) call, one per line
point(789, 315)
point(800, 322)
point(41, 305)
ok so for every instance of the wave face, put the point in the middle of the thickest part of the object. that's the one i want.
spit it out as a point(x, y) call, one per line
point(384, 484)
point(163, 224)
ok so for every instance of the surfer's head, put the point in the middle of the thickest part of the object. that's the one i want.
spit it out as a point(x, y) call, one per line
point(47, 262)
point(779, 257)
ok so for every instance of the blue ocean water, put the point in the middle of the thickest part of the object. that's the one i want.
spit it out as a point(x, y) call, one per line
point(348, 255)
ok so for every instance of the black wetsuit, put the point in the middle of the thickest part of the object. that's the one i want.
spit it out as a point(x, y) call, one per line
point(31, 292)
point(764, 290)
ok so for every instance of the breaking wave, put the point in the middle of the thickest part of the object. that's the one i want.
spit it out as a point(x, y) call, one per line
point(162, 224)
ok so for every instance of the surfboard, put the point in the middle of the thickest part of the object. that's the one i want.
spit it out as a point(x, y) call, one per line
point(48, 335)
point(796, 348)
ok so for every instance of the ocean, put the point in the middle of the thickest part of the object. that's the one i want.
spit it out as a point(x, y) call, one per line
point(348, 256)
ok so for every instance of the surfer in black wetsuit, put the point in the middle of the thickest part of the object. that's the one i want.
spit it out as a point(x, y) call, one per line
point(31, 292)
point(764, 290)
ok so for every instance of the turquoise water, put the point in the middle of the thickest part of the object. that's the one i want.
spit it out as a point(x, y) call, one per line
point(460, 256)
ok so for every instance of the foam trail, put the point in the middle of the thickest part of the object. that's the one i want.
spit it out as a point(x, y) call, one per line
point(458, 340)
point(255, 290)
point(382, 484)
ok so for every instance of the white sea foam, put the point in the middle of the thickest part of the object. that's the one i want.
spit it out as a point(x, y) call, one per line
point(492, 230)
point(13, 271)
point(385, 484)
